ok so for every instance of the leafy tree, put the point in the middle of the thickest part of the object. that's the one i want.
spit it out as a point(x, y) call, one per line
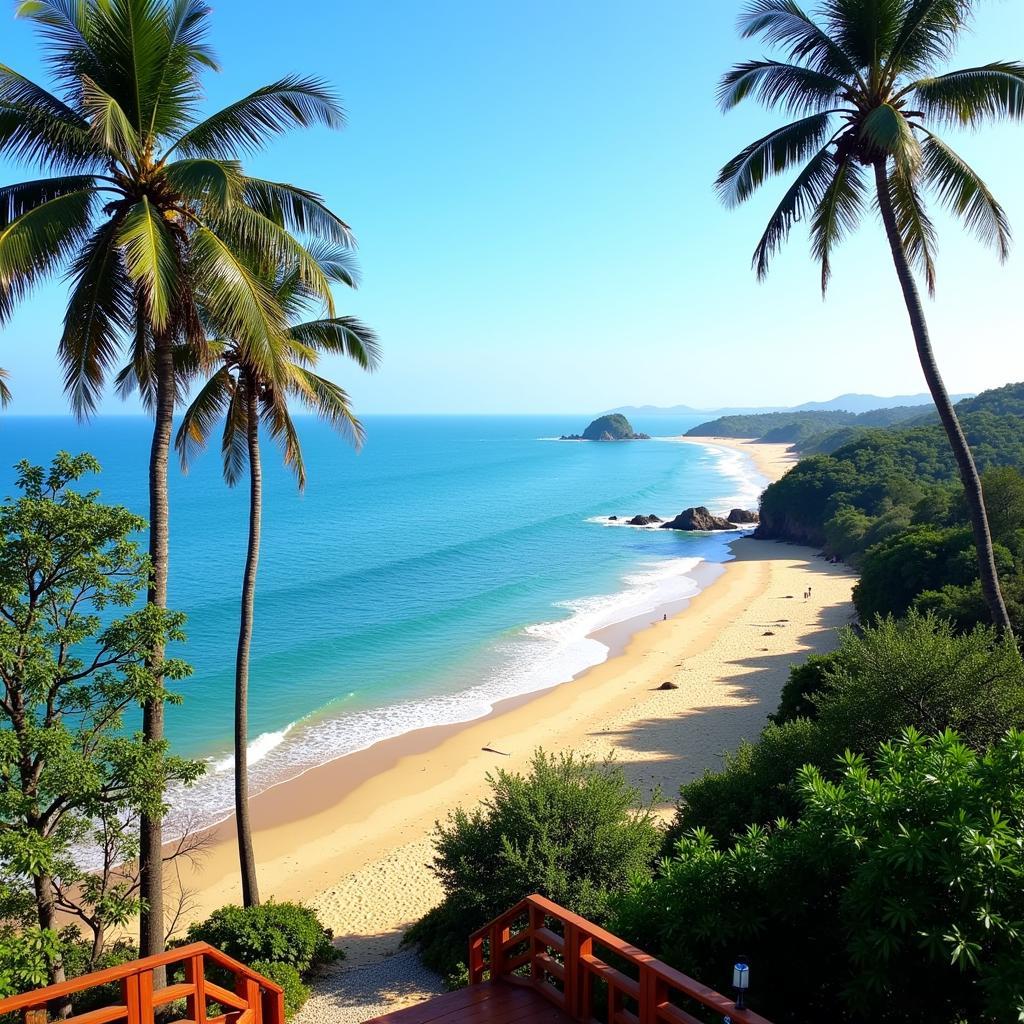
point(916, 672)
point(862, 82)
point(148, 210)
point(899, 883)
point(572, 830)
point(246, 388)
point(75, 655)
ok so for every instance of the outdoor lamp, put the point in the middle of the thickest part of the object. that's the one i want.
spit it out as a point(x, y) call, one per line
point(741, 981)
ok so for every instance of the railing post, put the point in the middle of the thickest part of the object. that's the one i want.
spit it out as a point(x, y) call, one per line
point(585, 1008)
point(648, 995)
point(195, 975)
point(130, 995)
point(35, 1015)
point(273, 1007)
point(146, 996)
point(249, 989)
point(497, 936)
point(476, 960)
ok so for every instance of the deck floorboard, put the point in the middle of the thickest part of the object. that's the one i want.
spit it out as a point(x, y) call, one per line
point(480, 1004)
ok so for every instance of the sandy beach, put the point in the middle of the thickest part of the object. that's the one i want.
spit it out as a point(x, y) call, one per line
point(352, 838)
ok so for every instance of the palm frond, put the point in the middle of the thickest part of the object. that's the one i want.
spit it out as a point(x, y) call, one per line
point(780, 149)
point(110, 126)
point(298, 210)
point(5, 391)
point(795, 88)
point(888, 133)
point(99, 316)
point(959, 188)
point(343, 335)
point(915, 227)
point(837, 214)
point(151, 260)
point(974, 95)
point(281, 427)
point(329, 402)
point(27, 195)
point(236, 300)
point(866, 30)
point(784, 23)
point(185, 54)
point(39, 242)
point(64, 24)
point(267, 243)
point(38, 128)
point(233, 444)
point(928, 34)
point(215, 183)
point(272, 110)
point(201, 416)
point(337, 261)
point(799, 202)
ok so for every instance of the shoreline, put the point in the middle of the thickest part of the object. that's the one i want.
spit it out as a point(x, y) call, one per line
point(352, 837)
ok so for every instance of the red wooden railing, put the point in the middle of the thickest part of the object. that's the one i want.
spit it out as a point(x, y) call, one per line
point(539, 944)
point(254, 1000)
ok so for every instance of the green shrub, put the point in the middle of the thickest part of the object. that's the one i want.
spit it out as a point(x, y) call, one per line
point(805, 681)
point(295, 991)
point(916, 671)
point(895, 897)
point(572, 829)
point(278, 933)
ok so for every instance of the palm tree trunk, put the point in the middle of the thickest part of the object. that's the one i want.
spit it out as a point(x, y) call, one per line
point(246, 859)
point(151, 921)
point(947, 414)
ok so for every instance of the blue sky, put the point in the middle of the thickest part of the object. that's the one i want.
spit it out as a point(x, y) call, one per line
point(531, 185)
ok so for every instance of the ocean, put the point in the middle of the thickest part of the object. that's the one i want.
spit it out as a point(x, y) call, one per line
point(454, 562)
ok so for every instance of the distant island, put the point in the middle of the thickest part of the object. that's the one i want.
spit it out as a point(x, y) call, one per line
point(614, 427)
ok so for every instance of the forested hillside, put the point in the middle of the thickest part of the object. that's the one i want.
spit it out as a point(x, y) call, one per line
point(889, 502)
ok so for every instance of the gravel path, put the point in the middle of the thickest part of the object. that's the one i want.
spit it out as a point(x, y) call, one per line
point(351, 995)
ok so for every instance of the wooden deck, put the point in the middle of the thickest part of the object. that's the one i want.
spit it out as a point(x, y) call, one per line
point(480, 1004)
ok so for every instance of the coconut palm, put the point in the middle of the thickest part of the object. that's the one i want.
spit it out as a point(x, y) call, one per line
point(862, 81)
point(250, 388)
point(145, 204)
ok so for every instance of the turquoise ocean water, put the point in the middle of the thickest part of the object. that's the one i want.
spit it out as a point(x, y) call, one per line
point(454, 562)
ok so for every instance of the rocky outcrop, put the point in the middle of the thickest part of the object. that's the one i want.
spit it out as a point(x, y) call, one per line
point(608, 428)
point(697, 519)
point(743, 517)
point(644, 520)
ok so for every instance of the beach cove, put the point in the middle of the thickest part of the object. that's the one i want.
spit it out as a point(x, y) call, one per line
point(353, 838)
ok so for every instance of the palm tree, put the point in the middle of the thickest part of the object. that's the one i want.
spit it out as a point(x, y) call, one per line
point(5, 391)
point(862, 80)
point(246, 389)
point(146, 204)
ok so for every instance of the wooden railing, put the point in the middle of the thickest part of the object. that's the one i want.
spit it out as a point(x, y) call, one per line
point(252, 1000)
point(584, 970)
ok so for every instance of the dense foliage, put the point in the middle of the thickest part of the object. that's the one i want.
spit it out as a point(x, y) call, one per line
point(280, 933)
point(572, 830)
point(282, 941)
point(895, 896)
point(75, 656)
point(914, 672)
point(806, 428)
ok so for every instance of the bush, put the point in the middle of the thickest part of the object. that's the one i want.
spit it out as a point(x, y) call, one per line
point(805, 681)
point(898, 891)
point(277, 933)
point(572, 829)
point(916, 671)
point(295, 991)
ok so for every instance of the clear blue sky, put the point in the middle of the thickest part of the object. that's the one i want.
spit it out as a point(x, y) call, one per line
point(531, 185)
